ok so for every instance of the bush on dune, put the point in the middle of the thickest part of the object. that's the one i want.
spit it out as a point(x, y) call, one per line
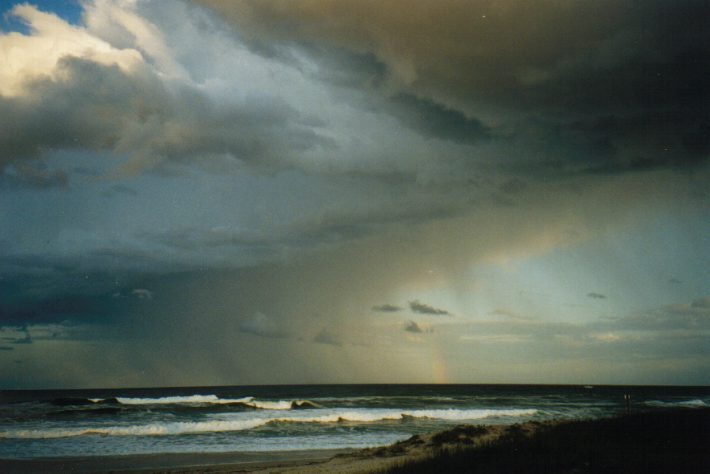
point(660, 442)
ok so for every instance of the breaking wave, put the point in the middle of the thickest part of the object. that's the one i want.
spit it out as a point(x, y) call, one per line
point(337, 416)
point(697, 403)
point(176, 400)
point(153, 429)
point(250, 402)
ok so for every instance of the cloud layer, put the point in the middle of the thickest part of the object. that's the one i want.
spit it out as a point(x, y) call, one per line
point(318, 191)
point(622, 85)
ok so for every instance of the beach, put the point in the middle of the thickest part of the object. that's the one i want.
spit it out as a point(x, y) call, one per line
point(673, 440)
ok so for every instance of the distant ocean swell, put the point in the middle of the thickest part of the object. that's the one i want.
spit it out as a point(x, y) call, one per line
point(224, 425)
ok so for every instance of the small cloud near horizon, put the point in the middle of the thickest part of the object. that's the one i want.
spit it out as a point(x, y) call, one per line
point(261, 325)
point(411, 326)
point(386, 308)
point(422, 308)
point(596, 296)
point(326, 337)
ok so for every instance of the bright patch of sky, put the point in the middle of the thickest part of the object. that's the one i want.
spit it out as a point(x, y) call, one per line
point(68, 10)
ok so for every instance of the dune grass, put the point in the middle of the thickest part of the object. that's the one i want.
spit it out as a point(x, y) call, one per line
point(675, 441)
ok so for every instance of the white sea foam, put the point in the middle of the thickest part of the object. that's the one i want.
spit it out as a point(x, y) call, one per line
point(186, 399)
point(264, 405)
point(237, 422)
point(417, 399)
point(153, 429)
point(685, 403)
point(384, 414)
point(203, 399)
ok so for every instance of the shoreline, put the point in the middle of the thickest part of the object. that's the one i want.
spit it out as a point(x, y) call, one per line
point(648, 441)
point(171, 462)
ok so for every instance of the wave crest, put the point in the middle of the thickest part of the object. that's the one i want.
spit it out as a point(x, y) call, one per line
point(697, 403)
point(209, 400)
point(336, 416)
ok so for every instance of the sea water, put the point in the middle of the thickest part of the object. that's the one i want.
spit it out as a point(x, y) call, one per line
point(51, 423)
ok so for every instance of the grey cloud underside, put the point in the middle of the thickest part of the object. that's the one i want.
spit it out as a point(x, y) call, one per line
point(386, 308)
point(103, 109)
point(589, 97)
point(345, 70)
point(422, 308)
point(69, 304)
point(402, 149)
point(598, 87)
point(413, 327)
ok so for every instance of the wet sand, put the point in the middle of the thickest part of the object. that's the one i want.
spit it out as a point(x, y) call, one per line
point(172, 462)
point(666, 441)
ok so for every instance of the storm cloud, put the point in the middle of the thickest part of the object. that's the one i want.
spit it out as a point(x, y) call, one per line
point(230, 192)
point(625, 83)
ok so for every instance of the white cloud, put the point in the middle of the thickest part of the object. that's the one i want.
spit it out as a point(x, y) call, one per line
point(118, 22)
point(35, 56)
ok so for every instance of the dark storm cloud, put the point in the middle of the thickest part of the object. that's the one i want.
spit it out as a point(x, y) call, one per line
point(431, 119)
point(71, 297)
point(593, 87)
point(348, 69)
point(342, 68)
point(596, 296)
point(422, 308)
point(50, 309)
point(375, 132)
point(102, 108)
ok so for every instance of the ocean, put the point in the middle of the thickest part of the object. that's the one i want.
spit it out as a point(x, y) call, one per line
point(56, 423)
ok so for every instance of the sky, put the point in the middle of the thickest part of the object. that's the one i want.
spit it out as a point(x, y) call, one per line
point(316, 191)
